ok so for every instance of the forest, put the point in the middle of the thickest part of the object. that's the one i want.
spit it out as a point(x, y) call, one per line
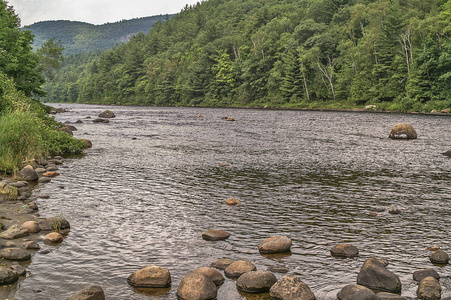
point(78, 37)
point(395, 54)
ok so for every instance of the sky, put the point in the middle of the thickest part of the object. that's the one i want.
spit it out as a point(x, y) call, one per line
point(93, 11)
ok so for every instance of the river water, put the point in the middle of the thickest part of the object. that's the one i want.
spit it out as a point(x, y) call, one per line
point(152, 184)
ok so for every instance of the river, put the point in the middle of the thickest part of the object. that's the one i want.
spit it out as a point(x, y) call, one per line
point(152, 184)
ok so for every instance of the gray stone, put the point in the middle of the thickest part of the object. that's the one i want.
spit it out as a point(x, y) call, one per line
point(21, 271)
point(14, 232)
point(344, 250)
point(19, 184)
point(150, 277)
point(421, 274)
point(256, 281)
point(291, 287)
point(222, 263)
point(238, 268)
point(429, 289)
point(28, 173)
point(211, 273)
point(15, 254)
point(403, 131)
point(8, 276)
point(92, 292)
point(439, 257)
point(275, 244)
point(107, 114)
point(215, 235)
point(394, 210)
point(31, 245)
point(101, 121)
point(356, 292)
point(48, 224)
point(374, 275)
point(389, 296)
point(196, 286)
point(44, 180)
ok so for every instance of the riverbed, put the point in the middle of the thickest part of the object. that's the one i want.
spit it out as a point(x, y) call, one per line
point(157, 178)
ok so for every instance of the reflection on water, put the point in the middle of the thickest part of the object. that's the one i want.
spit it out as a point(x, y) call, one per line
point(152, 183)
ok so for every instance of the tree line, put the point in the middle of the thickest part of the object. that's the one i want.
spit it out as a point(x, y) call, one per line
point(395, 54)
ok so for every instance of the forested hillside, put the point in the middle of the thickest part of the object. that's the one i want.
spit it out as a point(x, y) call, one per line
point(395, 54)
point(78, 37)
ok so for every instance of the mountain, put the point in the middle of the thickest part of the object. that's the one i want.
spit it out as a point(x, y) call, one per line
point(84, 37)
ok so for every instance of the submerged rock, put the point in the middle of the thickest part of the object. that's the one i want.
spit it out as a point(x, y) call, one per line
point(107, 114)
point(403, 131)
point(15, 254)
point(21, 271)
point(291, 287)
point(66, 130)
point(429, 289)
point(344, 250)
point(53, 238)
point(88, 143)
point(375, 275)
point(8, 276)
point(356, 292)
point(214, 275)
point(256, 281)
point(14, 232)
point(439, 257)
point(222, 263)
point(150, 277)
point(101, 121)
point(238, 268)
point(215, 235)
point(233, 201)
point(92, 292)
point(275, 244)
point(421, 274)
point(28, 173)
point(196, 286)
point(389, 296)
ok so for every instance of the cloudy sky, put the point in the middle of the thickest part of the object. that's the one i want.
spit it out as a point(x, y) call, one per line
point(93, 11)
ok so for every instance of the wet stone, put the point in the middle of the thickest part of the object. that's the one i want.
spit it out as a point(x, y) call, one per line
point(389, 296)
point(31, 245)
point(211, 273)
point(15, 254)
point(53, 238)
point(256, 281)
point(276, 244)
point(92, 292)
point(150, 277)
point(278, 269)
point(439, 257)
point(238, 268)
point(354, 292)
point(376, 276)
point(429, 289)
point(215, 235)
point(196, 286)
point(8, 276)
point(344, 250)
point(14, 232)
point(222, 263)
point(21, 271)
point(421, 274)
point(291, 287)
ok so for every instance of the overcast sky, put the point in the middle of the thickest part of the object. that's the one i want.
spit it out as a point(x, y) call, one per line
point(93, 11)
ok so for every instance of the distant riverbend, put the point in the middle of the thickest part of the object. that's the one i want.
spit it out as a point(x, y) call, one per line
point(157, 178)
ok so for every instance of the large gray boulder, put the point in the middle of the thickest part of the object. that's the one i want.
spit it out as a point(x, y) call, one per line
point(421, 274)
point(14, 232)
point(107, 114)
point(439, 257)
point(7, 276)
point(15, 254)
point(356, 292)
point(291, 287)
point(150, 277)
point(92, 292)
point(403, 131)
point(28, 173)
point(376, 276)
point(429, 289)
point(256, 281)
point(196, 286)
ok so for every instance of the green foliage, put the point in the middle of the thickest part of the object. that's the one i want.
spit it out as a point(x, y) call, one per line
point(290, 53)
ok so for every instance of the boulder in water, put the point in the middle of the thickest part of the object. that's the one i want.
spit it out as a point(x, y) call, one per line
point(28, 173)
point(213, 274)
point(403, 131)
point(92, 292)
point(291, 287)
point(344, 250)
point(238, 268)
point(196, 286)
point(8, 276)
point(256, 281)
point(215, 235)
point(15, 254)
point(150, 277)
point(439, 257)
point(375, 275)
point(429, 289)
point(421, 274)
point(222, 263)
point(107, 114)
point(14, 232)
point(354, 292)
point(275, 244)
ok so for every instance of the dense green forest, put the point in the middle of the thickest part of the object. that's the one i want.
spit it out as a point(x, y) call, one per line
point(26, 130)
point(395, 54)
point(78, 37)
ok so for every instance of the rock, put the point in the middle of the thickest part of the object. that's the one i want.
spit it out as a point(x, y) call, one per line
point(291, 287)
point(421, 274)
point(275, 244)
point(40, 170)
point(150, 277)
point(196, 286)
point(32, 206)
point(48, 224)
point(15, 254)
point(51, 167)
point(278, 269)
point(233, 201)
point(79, 121)
point(389, 296)
point(19, 270)
point(66, 130)
point(53, 238)
point(71, 127)
point(41, 161)
point(394, 210)
point(19, 184)
point(211, 273)
point(374, 275)
point(403, 131)
point(230, 119)
point(447, 153)
point(28, 173)
point(31, 245)
point(238, 268)
point(14, 232)
point(446, 110)
point(215, 235)
point(344, 250)
point(429, 289)
point(8, 276)
point(44, 180)
point(107, 114)
point(101, 121)
point(356, 292)
point(51, 174)
point(222, 263)
point(32, 226)
point(256, 281)
point(88, 143)
point(439, 257)
point(92, 292)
